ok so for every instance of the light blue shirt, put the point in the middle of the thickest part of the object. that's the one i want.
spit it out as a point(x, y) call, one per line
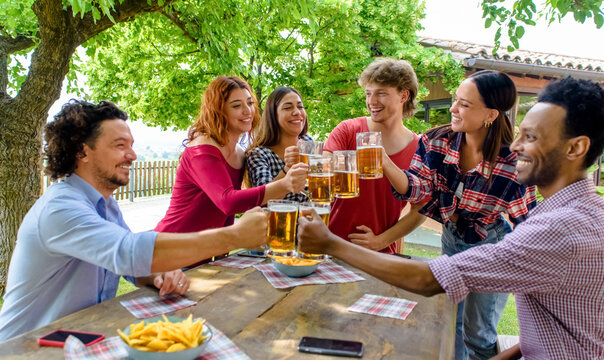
point(69, 248)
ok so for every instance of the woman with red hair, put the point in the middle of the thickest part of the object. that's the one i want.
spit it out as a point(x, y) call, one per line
point(207, 190)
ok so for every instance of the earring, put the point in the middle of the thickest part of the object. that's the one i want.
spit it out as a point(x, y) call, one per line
point(487, 124)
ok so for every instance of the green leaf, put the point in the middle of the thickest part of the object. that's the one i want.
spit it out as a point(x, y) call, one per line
point(599, 20)
point(519, 32)
point(487, 23)
point(511, 48)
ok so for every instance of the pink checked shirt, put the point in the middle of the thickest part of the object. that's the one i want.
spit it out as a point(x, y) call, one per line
point(554, 263)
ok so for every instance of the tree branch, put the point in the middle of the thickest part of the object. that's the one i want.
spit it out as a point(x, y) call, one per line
point(182, 26)
point(10, 45)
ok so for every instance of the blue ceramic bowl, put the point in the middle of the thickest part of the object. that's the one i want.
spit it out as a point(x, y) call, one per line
point(295, 270)
point(188, 354)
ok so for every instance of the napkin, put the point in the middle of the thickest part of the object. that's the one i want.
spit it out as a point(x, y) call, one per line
point(156, 305)
point(220, 347)
point(238, 262)
point(391, 307)
point(327, 272)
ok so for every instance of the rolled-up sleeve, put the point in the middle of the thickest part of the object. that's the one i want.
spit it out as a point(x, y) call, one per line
point(531, 259)
point(74, 228)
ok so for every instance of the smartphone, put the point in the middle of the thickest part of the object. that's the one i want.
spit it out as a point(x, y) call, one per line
point(58, 337)
point(331, 347)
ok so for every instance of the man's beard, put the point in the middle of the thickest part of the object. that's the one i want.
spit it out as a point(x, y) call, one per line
point(549, 169)
point(110, 181)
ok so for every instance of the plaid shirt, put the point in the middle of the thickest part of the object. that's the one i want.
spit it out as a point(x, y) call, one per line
point(554, 262)
point(263, 165)
point(435, 175)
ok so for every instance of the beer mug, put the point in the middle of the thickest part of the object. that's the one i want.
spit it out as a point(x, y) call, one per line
point(320, 179)
point(346, 175)
point(369, 155)
point(281, 233)
point(309, 148)
point(323, 209)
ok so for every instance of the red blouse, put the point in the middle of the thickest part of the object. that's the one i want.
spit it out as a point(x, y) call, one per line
point(207, 192)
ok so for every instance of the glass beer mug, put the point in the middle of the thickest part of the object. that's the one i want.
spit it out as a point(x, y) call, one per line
point(346, 175)
point(369, 155)
point(281, 233)
point(323, 210)
point(320, 179)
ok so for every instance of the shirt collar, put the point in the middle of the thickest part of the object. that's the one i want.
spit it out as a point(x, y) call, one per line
point(566, 196)
point(91, 193)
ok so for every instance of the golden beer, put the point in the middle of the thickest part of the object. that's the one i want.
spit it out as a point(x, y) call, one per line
point(320, 187)
point(369, 159)
point(281, 234)
point(304, 158)
point(323, 210)
point(346, 184)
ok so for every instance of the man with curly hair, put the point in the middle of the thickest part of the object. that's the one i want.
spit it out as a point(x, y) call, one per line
point(73, 245)
point(553, 261)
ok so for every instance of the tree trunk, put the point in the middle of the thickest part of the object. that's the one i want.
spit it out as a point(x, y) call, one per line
point(20, 146)
point(22, 118)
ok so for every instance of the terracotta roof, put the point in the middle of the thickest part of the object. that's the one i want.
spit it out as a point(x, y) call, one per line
point(461, 50)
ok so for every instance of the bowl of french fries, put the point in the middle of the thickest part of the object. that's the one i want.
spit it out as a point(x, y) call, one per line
point(163, 337)
point(294, 267)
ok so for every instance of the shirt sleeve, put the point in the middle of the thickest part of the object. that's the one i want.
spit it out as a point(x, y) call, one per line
point(209, 173)
point(338, 139)
point(420, 176)
point(72, 227)
point(258, 168)
point(525, 261)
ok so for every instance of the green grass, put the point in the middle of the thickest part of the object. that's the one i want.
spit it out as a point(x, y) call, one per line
point(125, 287)
point(508, 325)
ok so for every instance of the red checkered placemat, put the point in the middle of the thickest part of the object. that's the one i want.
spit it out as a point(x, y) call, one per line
point(238, 262)
point(108, 349)
point(391, 307)
point(327, 272)
point(220, 347)
point(156, 305)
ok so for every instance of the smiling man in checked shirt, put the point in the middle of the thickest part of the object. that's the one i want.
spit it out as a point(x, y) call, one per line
point(553, 261)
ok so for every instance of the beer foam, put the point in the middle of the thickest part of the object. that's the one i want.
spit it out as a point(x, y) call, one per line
point(283, 208)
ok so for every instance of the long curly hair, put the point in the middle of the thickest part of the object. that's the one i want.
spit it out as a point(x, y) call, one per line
point(212, 120)
point(77, 123)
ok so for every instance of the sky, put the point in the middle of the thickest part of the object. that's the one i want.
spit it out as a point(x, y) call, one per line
point(461, 20)
point(445, 19)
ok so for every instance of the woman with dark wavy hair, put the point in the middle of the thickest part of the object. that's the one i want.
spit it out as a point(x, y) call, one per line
point(467, 174)
point(207, 190)
point(274, 150)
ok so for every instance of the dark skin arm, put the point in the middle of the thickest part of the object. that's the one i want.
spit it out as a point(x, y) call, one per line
point(415, 276)
point(512, 353)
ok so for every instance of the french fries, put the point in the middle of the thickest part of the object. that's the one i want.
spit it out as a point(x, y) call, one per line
point(165, 336)
point(295, 261)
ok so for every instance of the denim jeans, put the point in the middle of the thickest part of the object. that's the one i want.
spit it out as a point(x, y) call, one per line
point(478, 315)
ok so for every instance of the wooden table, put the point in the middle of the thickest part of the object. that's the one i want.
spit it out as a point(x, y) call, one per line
point(267, 323)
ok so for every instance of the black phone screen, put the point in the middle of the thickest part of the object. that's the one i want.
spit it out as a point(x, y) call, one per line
point(331, 346)
point(61, 336)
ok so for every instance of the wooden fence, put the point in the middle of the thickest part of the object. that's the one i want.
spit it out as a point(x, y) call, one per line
point(147, 178)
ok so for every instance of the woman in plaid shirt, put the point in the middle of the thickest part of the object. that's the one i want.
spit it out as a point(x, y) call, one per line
point(274, 148)
point(466, 174)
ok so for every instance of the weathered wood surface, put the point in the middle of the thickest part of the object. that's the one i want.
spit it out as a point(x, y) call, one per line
point(267, 323)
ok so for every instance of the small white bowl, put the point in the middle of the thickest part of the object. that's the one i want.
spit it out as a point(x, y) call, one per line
point(187, 354)
point(295, 270)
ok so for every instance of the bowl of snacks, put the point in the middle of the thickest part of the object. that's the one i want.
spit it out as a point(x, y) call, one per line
point(294, 267)
point(162, 338)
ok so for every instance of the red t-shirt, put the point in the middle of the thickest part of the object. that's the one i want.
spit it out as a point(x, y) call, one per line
point(375, 207)
point(207, 192)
